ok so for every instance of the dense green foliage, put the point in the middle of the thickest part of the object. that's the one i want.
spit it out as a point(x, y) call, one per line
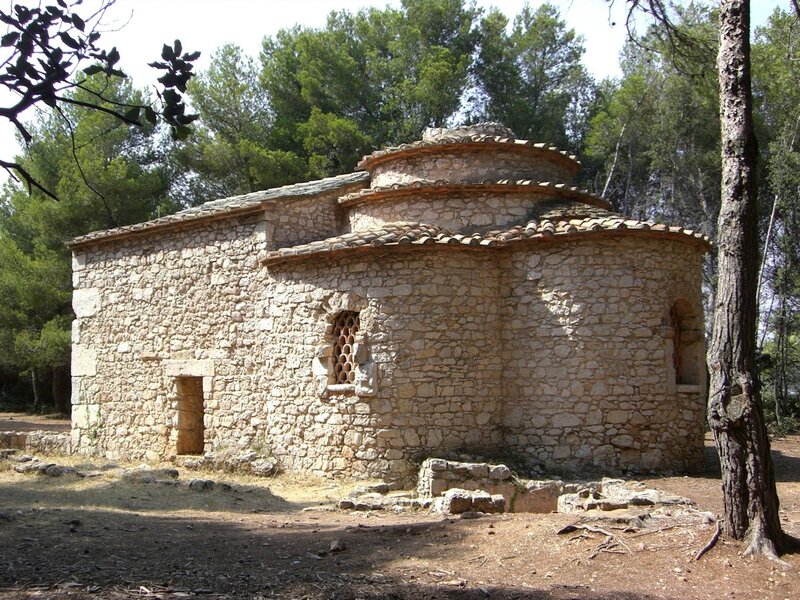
point(316, 100)
point(107, 173)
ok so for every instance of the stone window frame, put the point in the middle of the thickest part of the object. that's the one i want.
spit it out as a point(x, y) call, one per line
point(364, 370)
point(685, 348)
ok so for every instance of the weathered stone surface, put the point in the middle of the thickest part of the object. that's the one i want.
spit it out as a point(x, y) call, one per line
point(86, 302)
point(456, 501)
point(265, 467)
point(459, 501)
point(148, 475)
point(536, 340)
point(538, 496)
point(201, 485)
point(48, 442)
point(616, 494)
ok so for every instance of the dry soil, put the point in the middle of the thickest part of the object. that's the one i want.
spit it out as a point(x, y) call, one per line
point(103, 537)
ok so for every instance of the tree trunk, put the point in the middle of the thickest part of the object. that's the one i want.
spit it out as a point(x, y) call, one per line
point(61, 390)
point(735, 412)
point(37, 392)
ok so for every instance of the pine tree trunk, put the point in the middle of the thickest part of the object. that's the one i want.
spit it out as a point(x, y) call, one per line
point(735, 412)
point(37, 392)
point(61, 391)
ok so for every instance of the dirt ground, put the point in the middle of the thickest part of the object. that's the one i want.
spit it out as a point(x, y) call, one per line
point(20, 421)
point(104, 538)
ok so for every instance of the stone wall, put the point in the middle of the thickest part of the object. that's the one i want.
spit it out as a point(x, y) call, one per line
point(170, 304)
point(580, 352)
point(178, 303)
point(49, 442)
point(429, 325)
point(558, 352)
point(473, 164)
point(303, 220)
point(589, 382)
point(457, 212)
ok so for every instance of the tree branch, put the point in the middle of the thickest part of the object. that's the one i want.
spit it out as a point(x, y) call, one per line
point(16, 170)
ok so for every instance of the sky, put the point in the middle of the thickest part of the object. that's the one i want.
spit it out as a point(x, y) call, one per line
point(138, 28)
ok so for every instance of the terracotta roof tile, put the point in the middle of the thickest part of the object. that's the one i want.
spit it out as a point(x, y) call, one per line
point(460, 138)
point(406, 233)
point(486, 186)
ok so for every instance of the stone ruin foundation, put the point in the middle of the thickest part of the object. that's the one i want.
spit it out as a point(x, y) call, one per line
point(475, 488)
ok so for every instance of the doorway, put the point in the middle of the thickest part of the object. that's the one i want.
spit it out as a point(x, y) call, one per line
point(190, 415)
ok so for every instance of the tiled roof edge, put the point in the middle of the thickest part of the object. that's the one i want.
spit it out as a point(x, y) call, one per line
point(234, 205)
point(413, 235)
point(467, 141)
point(502, 185)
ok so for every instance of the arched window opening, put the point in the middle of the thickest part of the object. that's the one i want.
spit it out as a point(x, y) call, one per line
point(687, 345)
point(345, 327)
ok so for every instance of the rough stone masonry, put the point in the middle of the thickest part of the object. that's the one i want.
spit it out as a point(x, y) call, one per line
point(456, 294)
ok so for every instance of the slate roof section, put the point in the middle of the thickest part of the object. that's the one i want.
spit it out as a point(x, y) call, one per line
point(554, 221)
point(467, 140)
point(226, 206)
point(503, 186)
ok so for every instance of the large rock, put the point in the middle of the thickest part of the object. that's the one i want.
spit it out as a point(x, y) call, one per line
point(538, 496)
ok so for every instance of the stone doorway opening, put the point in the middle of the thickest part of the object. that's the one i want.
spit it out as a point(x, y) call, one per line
point(190, 415)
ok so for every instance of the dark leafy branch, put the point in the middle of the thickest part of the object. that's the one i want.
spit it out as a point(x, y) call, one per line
point(53, 51)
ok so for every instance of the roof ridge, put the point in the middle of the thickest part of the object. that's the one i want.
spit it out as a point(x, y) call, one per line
point(231, 204)
point(463, 138)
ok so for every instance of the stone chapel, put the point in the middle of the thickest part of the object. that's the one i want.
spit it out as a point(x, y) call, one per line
point(455, 294)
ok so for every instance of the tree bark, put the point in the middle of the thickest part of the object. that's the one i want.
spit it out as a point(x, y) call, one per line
point(61, 391)
point(735, 412)
point(41, 393)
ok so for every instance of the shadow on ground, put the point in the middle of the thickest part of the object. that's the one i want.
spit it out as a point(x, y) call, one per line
point(95, 554)
point(72, 492)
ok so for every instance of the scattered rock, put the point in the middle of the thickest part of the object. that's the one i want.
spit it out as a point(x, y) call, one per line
point(27, 467)
point(337, 545)
point(264, 467)
point(88, 474)
point(202, 485)
point(147, 475)
point(234, 461)
point(472, 514)
point(458, 501)
point(375, 488)
point(57, 470)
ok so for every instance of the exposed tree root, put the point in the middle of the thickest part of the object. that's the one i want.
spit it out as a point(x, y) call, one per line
point(711, 543)
point(759, 544)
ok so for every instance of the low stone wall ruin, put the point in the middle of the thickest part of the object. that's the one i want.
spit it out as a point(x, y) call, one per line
point(48, 442)
point(462, 487)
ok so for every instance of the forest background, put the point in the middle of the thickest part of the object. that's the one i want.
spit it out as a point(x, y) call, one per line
point(315, 100)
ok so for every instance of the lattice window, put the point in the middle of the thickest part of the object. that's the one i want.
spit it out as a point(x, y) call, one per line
point(345, 327)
